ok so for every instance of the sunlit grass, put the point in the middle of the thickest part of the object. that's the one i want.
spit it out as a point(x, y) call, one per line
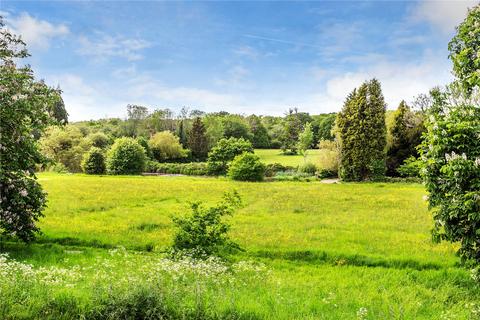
point(331, 249)
point(276, 156)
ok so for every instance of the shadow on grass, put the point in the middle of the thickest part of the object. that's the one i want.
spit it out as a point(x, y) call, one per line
point(322, 257)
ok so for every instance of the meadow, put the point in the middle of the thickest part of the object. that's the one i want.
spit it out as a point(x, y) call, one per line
point(276, 156)
point(312, 251)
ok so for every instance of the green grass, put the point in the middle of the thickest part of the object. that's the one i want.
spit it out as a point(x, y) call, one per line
point(276, 156)
point(331, 249)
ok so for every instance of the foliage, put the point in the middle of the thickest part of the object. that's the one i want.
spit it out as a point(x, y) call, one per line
point(305, 140)
point(166, 146)
point(465, 51)
point(325, 126)
point(308, 168)
point(236, 127)
point(94, 161)
point(260, 137)
point(203, 233)
point(411, 167)
point(451, 156)
point(406, 135)
point(99, 140)
point(136, 116)
point(65, 145)
point(362, 134)
point(197, 140)
point(246, 167)
point(191, 169)
point(27, 108)
point(272, 168)
point(225, 151)
point(126, 156)
point(292, 126)
point(144, 143)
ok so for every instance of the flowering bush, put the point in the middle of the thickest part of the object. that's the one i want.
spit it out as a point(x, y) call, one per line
point(451, 156)
point(27, 108)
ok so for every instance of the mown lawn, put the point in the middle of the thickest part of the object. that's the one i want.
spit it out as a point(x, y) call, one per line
point(331, 250)
point(276, 156)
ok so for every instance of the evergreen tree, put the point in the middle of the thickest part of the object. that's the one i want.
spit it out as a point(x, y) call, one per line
point(182, 133)
point(260, 135)
point(406, 136)
point(197, 139)
point(292, 126)
point(362, 134)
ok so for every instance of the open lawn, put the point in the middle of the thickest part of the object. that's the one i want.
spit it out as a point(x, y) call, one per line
point(276, 156)
point(340, 251)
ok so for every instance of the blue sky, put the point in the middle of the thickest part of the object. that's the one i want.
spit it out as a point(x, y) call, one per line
point(242, 57)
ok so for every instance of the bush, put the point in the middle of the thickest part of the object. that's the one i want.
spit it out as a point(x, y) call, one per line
point(273, 168)
point(308, 168)
point(246, 167)
point(166, 146)
point(126, 156)
point(225, 151)
point(203, 233)
point(411, 167)
point(327, 162)
point(144, 143)
point(191, 169)
point(292, 175)
point(94, 161)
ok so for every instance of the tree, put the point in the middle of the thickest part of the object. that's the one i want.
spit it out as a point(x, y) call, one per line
point(225, 151)
point(135, 115)
point(27, 108)
point(197, 140)
point(465, 51)
point(325, 126)
point(451, 148)
point(406, 135)
point(65, 145)
point(362, 134)
point(260, 138)
point(166, 146)
point(236, 127)
point(305, 140)
point(292, 126)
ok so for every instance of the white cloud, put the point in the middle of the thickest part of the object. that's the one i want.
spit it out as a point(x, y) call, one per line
point(442, 15)
point(36, 33)
point(104, 46)
point(400, 81)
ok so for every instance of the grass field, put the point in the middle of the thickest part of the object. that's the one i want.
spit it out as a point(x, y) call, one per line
point(341, 251)
point(276, 156)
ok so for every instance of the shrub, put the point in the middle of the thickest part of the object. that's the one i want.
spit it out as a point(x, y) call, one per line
point(308, 168)
point(272, 168)
point(166, 146)
point(203, 232)
point(327, 162)
point(292, 175)
point(411, 167)
point(246, 167)
point(126, 156)
point(193, 168)
point(225, 151)
point(144, 143)
point(94, 161)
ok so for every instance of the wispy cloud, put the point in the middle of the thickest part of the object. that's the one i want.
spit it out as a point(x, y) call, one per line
point(104, 46)
point(35, 32)
point(442, 15)
point(294, 43)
